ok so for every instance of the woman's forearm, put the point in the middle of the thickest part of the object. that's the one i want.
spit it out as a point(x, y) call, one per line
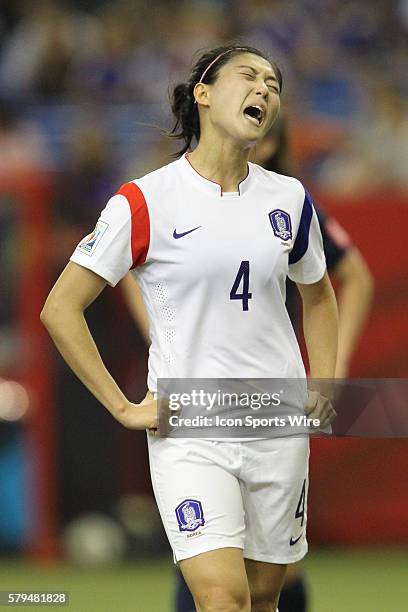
point(68, 328)
point(352, 317)
point(354, 298)
point(320, 327)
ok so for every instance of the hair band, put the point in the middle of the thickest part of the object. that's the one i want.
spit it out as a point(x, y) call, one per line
point(211, 64)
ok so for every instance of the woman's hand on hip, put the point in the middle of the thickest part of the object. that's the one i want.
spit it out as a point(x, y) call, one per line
point(140, 416)
point(320, 407)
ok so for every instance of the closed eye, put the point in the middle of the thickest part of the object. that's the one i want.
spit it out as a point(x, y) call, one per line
point(274, 88)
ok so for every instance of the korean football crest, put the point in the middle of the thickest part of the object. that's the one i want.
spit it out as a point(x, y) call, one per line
point(281, 224)
point(190, 515)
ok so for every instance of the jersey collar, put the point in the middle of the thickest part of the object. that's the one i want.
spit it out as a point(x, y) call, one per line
point(208, 186)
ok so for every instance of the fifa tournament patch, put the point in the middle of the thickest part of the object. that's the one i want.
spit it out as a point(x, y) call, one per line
point(90, 242)
point(281, 224)
point(190, 515)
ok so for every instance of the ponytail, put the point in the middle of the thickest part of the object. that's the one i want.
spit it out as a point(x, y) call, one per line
point(187, 125)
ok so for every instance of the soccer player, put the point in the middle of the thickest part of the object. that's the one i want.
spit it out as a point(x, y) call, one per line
point(355, 290)
point(212, 238)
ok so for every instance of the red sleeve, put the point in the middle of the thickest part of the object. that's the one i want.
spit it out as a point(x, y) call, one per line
point(140, 222)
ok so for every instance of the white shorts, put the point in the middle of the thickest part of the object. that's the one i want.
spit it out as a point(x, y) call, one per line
point(249, 495)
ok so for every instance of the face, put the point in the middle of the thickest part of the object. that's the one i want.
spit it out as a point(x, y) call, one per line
point(244, 100)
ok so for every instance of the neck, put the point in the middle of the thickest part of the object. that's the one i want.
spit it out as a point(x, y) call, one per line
point(224, 164)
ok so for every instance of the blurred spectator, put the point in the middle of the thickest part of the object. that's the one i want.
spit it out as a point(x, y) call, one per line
point(375, 155)
point(86, 181)
point(104, 71)
point(353, 26)
point(127, 53)
point(176, 32)
point(278, 25)
point(22, 144)
point(9, 17)
point(402, 11)
point(37, 53)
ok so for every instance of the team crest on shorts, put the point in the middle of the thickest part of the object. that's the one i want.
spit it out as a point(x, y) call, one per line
point(90, 242)
point(281, 224)
point(190, 515)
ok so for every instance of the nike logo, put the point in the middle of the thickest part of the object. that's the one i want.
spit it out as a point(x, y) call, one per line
point(176, 235)
point(292, 541)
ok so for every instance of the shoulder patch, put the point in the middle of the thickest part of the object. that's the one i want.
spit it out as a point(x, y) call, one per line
point(90, 242)
point(281, 224)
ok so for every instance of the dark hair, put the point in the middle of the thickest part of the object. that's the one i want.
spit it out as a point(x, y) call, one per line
point(187, 124)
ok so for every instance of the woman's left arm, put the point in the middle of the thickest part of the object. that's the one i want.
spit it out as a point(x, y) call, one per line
point(320, 326)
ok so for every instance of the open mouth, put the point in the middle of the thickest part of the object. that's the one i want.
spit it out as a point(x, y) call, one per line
point(255, 114)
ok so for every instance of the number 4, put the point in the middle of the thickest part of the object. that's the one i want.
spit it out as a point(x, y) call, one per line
point(300, 510)
point(243, 274)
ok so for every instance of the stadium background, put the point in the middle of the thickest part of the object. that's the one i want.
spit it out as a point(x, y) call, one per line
point(80, 84)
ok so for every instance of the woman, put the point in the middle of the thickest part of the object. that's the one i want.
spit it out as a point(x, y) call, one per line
point(212, 238)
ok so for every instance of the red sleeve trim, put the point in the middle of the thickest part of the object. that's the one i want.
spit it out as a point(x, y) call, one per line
point(140, 228)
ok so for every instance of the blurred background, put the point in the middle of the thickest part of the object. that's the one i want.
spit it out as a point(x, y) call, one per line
point(81, 85)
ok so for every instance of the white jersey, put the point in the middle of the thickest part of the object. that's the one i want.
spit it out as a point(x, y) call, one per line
point(212, 268)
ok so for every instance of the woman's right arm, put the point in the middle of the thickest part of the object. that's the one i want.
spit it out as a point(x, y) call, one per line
point(63, 316)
